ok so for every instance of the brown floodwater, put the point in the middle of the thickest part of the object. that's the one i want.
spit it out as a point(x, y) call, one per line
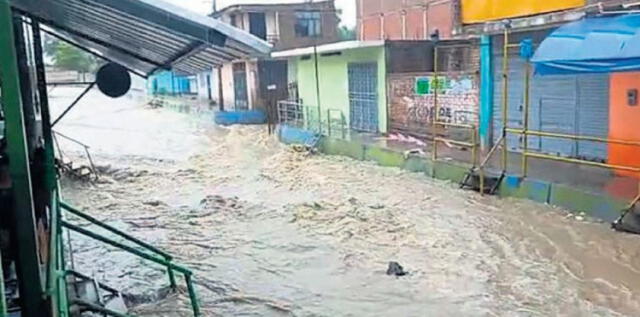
point(269, 231)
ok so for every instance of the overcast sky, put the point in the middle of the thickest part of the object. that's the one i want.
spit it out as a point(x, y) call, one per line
point(348, 7)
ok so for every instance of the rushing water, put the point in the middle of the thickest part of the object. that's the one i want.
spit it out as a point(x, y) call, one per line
point(272, 232)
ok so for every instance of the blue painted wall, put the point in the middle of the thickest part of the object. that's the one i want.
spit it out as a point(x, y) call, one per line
point(168, 83)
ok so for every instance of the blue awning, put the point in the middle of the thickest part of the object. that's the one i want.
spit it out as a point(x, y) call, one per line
point(592, 45)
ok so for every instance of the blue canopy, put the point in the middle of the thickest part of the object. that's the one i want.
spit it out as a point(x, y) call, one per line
point(591, 45)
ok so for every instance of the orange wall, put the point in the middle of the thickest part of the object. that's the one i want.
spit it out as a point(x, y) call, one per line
point(624, 121)
point(475, 11)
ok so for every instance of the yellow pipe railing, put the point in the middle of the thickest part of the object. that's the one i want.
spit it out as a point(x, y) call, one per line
point(474, 144)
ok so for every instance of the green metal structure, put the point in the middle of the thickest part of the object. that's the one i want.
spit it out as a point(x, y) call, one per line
point(30, 200)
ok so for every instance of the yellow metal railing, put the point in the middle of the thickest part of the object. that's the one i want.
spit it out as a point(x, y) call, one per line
point(474, 144)
point(525, 132)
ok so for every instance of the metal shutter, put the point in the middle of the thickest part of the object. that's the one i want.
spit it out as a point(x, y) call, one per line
point(593, 115)
point(566, 104)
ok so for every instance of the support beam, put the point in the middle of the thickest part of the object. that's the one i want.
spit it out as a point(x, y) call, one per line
point(29, 274)
point(43, 96)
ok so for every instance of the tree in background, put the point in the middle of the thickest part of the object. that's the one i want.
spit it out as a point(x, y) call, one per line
point(67, 57)
point(346, 33)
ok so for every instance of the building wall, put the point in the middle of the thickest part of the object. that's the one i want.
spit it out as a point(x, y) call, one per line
point(281, 20)
point(334, 81)
point(208, 87)
point(476, 11)
point(228, 93)
point(287, 20)
point(623, 121)
point(412, 109)
point(167, 83)
point(228, 87)
point(405, 19)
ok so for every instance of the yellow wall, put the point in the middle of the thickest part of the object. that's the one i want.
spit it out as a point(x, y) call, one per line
point(474, 11)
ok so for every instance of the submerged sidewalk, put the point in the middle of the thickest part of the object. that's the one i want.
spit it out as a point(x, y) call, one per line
point(592, 190)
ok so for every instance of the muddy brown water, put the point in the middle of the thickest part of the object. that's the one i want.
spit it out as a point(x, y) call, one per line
point(272, 232)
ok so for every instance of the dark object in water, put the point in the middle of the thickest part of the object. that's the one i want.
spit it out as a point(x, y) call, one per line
point(396, 269)
point(628, 222)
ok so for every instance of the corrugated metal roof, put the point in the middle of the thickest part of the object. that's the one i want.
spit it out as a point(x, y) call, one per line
point(145, 35)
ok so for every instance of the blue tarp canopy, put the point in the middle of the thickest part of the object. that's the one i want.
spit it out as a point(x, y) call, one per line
point(591, 45)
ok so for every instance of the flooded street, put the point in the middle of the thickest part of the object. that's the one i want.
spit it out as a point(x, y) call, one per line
point(272, 232)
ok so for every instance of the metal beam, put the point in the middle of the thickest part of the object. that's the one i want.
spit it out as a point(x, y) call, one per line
point(73, 104)
point(190, 50)
point(30, 277)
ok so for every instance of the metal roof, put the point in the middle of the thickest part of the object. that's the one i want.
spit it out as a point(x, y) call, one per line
point(145, 35)
point(327, 48)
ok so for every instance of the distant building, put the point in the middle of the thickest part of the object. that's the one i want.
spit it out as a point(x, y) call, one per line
point(407, 19)
point(249, 84)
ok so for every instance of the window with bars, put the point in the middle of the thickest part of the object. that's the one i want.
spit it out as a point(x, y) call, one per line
point(308, 24)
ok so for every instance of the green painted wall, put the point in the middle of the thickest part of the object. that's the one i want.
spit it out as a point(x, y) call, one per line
point(334, 81)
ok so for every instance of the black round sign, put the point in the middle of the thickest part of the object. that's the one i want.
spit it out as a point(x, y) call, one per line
point(113, 80)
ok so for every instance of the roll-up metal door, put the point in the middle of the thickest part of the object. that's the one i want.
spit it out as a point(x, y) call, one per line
point(593, 115)
point(568, 104)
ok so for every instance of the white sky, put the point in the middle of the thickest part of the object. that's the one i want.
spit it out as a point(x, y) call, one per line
point(348, 7)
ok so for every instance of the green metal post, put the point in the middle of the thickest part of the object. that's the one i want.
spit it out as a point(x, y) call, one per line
point(192, 295)
point(49, 163)
point(129, 249)
point(172, 276)
point(3, 303)
point(115, 231)
point(31, 286)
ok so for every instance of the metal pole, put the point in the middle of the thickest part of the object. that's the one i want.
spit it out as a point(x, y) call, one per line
point(318, 100)
point(124, 247)
point(505, 98)
point(75, 102)
point(3, 303)
point(436, 109)
point(525, 117)
point(43, 95)
point(115, 231)
point(192, 295)
point(30, 277)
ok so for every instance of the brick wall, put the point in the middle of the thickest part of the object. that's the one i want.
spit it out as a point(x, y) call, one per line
point(405, 19)
point(411, 112)
point(287, 21)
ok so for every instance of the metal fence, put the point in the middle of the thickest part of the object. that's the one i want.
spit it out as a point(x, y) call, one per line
point(311, 118)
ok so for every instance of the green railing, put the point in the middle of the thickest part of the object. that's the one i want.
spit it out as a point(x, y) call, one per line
point(57, 274)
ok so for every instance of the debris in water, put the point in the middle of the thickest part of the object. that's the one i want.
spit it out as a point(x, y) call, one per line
point(396, 269)
point(153, 203)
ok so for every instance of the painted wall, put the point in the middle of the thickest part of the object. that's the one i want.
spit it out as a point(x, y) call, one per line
point(228, 93)
point(412, 111)
point(334, 81)
point(623, 121)
point(167, 83)
point(475, 11)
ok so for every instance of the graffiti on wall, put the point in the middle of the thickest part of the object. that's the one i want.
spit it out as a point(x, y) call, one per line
point(412, 101)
